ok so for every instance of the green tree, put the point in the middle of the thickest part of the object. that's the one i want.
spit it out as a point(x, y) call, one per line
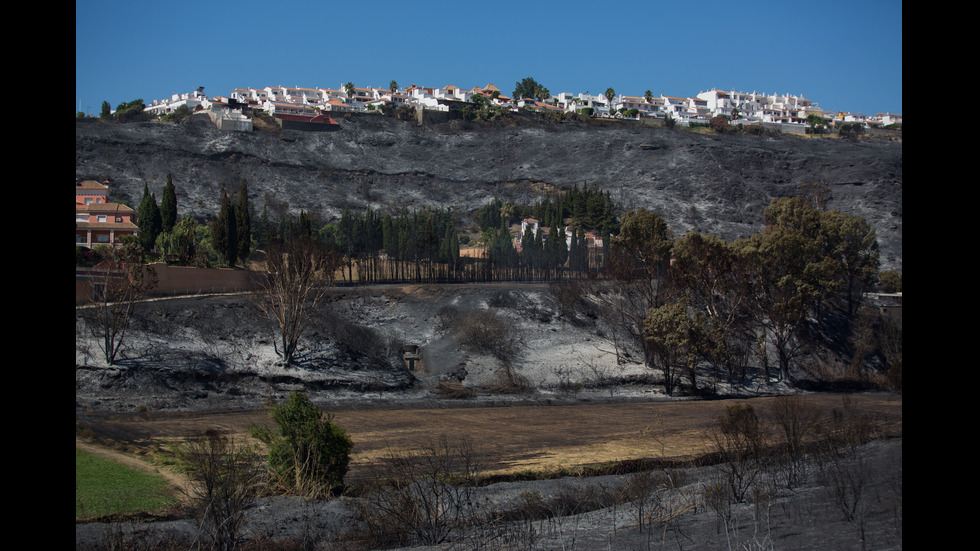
point(610, 94)
point(814, 120)
point(530, 88)
point(349, 89)
point(556, 246)
point(224, 231)
point(148, 220)
point(243, 224)
point(853, 244)
point(711, 275)
point(106, 113)
point(789, 275)
point(392, 86)
point(177, 114)
point(308, 453)
point(347, 239)
point(181, 241)
point(168, 205)
point(850, 130)
point(132, 111)
point(890, 281)
point(667, 333)
point(648, 96)
point(637, 266)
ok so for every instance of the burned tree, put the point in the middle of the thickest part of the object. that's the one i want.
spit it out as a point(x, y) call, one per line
point(298, 273)
point(118, 286)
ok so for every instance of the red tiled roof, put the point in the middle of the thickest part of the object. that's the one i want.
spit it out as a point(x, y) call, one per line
point(104, 207)
point(106, 226)
point(90, 185)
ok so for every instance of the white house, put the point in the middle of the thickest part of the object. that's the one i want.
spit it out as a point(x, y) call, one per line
point(288, 108)
point(646, 108)
point(192, 100)
point(885, 119)
point(675, 106)
point(599, 104)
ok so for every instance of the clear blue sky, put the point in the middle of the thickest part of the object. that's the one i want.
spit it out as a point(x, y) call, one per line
point(846, 56)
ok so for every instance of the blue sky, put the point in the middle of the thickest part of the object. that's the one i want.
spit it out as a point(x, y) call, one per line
point(846, 56)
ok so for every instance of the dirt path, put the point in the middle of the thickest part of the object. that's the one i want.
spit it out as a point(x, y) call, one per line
point(133, 462)
point(508, 438)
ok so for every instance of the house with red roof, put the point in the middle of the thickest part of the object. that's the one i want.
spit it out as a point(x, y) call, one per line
point(99, 221)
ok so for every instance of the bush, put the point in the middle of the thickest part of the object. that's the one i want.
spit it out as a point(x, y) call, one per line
point(308, 454)
point(720, 124)
point(224, 484)
point(890, 281)
point(425, 496)
point(850, 130)
point(483, 331)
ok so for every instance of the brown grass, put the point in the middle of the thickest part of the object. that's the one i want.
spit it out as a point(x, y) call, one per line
point(510, 439)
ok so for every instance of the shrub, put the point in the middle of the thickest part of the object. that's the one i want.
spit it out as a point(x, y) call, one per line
point(739, 442)
point(453, 390)
point(485, 332)
point(308, 454)
point(425, 496)
point(224, 479)
point(720, 124)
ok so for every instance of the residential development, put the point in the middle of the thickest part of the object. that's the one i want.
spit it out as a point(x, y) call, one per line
point(301, 103)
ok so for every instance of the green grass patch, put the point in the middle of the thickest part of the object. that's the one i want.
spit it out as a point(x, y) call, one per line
point(103, 487)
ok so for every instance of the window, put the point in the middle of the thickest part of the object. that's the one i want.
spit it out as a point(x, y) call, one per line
point(102, 238)
point(101, 218)
point(119, 219)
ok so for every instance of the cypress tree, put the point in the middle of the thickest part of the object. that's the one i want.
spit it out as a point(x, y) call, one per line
point(243, 224)
point(224, 231)
point(168, 205)
point(148, 220)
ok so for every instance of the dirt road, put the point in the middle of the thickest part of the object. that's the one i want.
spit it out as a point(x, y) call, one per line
point(508, 438)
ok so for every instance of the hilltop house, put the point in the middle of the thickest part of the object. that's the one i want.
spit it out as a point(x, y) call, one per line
point(786, 110)
point(192, 100)
point(97, 220)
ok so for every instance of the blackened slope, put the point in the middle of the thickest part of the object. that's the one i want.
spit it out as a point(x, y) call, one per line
point(714, 183)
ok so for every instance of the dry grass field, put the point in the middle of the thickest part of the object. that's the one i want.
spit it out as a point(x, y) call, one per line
point(508, 439)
